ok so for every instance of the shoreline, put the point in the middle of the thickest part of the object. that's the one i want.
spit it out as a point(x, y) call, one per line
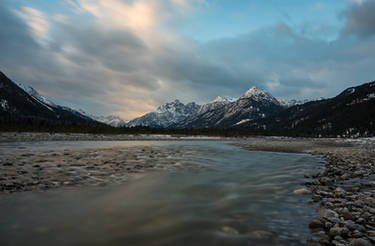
point(345, 190)
point(7, 137)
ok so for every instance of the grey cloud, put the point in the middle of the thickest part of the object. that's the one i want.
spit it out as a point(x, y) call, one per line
point(360, 19)
point(292, 65)
point(89, 65)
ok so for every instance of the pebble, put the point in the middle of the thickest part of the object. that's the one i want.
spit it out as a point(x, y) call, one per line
point(229, 230)
point(360, 242)
point(261, 234)
point(301, 192)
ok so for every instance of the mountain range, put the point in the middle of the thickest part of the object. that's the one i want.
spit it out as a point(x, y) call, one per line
point(19, 103)
point(15, 103)
point(351, 113)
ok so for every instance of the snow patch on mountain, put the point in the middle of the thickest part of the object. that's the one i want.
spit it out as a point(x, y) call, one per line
point(216, 103)
point(166, 115)
point(242, 121)
point(4, 104)
point(293, 102)
point(112, 120)
point(34, 94)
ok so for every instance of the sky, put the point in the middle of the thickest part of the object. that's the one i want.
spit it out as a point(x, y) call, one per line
point(126, 57)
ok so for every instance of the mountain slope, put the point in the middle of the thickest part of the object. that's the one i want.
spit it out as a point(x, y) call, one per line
point(166, 115)
point(254, 104)
point(351, 113)
point(17, 105)
point(112, 120)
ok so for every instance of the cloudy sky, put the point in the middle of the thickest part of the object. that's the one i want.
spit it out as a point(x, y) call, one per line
point(126, 57)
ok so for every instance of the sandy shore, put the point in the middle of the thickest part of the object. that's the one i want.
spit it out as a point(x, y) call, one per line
point(345, 190)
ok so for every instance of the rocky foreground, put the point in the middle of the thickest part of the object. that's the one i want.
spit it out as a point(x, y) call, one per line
point(345, 189)
point(28, 169)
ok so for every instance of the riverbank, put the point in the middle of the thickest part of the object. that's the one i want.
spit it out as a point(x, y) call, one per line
point(45, 136)
point(345, 190)
point(28, 169)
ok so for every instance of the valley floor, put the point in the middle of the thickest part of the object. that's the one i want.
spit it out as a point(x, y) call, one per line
point(345, 189)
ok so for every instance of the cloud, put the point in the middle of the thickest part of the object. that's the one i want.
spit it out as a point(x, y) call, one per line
point(36, 21)
point(60, 18)
point(290, 64)
point(360, 19)
point(124, 57)
point(134, 15)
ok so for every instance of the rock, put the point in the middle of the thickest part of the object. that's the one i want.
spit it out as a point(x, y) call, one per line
point(346, 214)
point(261, 234)
point(345, 176)
point(328, 225)
point(339, 192)
point(359, 242)
point(357, 234)
point(370, 184)
point(350, 225)
point(324, 240)
point(324, 180)
point(371, 233)
point(335, 231)
point(301, 192)
point(315, 224)
point(312, 243)
point(327, 213)
point(229, 230)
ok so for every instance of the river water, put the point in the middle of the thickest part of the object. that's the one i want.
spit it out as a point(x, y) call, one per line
point(240, 198)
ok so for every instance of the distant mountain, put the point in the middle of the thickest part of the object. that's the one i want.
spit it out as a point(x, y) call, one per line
point(293, 102)
point(20, 103)
point(112, 120)
point(350, 114)
point(166, 115)
point(206, 114)
point(253, 105)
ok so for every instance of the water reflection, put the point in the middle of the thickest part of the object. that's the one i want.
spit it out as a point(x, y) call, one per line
point(242, 198)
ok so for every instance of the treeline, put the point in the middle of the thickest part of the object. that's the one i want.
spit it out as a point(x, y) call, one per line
point(33, 125)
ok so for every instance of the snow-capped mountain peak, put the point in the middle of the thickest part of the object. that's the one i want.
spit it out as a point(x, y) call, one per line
point(258, 95)
point(254, 92)
point(214, 104)
point(166, 115)
point(220, 99)
point(170, 106)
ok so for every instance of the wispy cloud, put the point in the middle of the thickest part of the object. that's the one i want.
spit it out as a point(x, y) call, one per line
point(37, 22)
point(127, 57)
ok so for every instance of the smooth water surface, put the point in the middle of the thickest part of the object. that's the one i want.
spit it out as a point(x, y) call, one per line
point(239, 194)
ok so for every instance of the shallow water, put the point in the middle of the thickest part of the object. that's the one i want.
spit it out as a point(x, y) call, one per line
point(240, 192)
